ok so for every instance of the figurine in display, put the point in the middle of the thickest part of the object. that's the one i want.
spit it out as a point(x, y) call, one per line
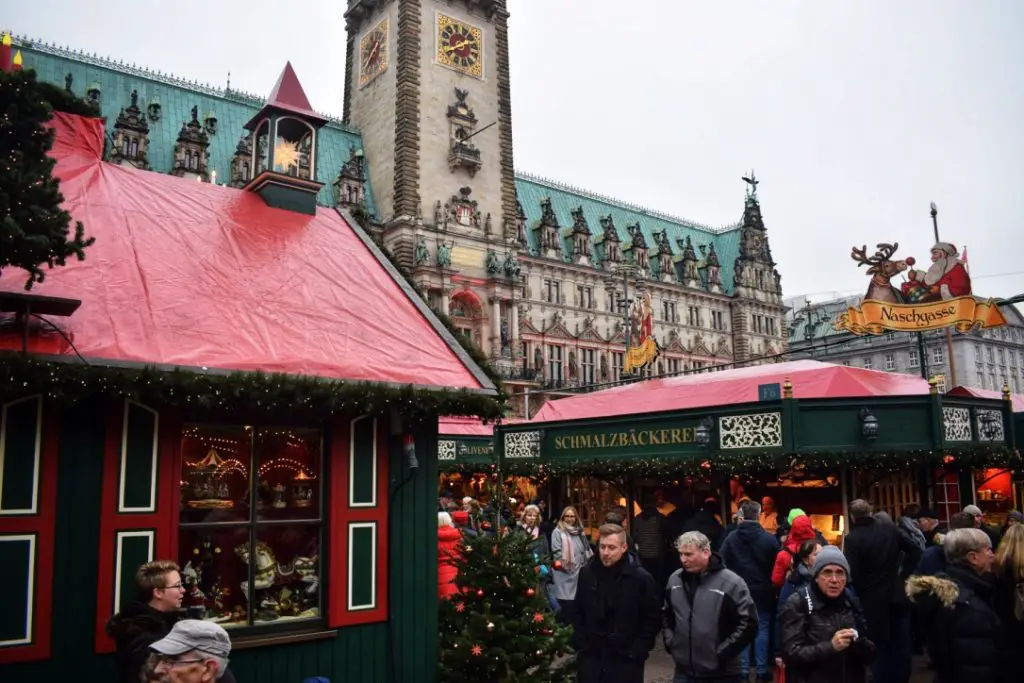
point(279, 501)
point(207, 492)
point(302, 490)
point(266, 566)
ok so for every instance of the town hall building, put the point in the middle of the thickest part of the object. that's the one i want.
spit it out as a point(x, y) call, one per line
point(537, 273)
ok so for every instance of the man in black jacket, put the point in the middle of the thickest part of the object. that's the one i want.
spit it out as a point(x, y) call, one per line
point(964, 633)
point(750, 552)
point(708, 617)
point(147, 619)
point(617, 615)
point(881, 558)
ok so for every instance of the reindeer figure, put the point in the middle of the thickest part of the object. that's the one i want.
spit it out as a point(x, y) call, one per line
point(881, 269)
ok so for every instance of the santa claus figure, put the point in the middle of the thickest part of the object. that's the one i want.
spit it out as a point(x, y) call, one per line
point(946, 278)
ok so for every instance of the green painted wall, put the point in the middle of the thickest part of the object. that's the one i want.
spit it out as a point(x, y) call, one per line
point(359, 654)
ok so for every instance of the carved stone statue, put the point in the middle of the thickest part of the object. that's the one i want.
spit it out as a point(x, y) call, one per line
point(68, 79)
point(421, 255)
point(492, 263)
point(538, 359)
point(439, 222)
point(572, 365)
point(444, 254)
point(604, 366)
point(511, 265)
point(135, 98)
point(195, 113)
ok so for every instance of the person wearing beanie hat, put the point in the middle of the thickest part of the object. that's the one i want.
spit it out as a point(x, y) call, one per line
point(793, 514)
point(824, 633)
point(828, 556)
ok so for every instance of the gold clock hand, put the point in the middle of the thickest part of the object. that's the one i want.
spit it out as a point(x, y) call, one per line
point(456, 46)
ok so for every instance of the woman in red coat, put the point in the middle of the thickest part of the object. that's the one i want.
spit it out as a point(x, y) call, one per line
point(800, 532)
point(449, 550)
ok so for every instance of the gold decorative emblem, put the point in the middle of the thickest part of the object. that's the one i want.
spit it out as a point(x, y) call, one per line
point(460, 46)
point(286, 155)
point(373, 53)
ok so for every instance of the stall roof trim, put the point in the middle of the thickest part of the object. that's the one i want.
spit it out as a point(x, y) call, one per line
point(810, 379)
point(185, 273)
point(1018, 399)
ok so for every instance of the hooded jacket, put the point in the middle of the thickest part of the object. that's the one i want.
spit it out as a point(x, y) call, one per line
point(708, 620)
point(449, 550)
point(750, 552)
point(964, 634)
point(801, 532)
point(134, 629)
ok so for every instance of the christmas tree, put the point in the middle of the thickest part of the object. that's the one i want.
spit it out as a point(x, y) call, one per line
point(499, 628)
point(33, 226)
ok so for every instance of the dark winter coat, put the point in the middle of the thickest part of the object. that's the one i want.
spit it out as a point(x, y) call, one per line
point(706, 523)
point(617, 615)
point(808, 621)
point(707, 621)
point(799, 577)
point(134, 629)
point(750, 552)
point(880, 557)
point(1013, 630)
point(964, 634)
point(933, 561)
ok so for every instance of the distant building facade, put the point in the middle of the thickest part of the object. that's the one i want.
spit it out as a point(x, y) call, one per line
point(983, 359)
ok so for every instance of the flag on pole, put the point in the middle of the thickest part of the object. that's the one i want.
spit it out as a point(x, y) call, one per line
point(963, 259)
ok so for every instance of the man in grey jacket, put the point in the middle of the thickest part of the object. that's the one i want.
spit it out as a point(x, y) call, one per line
point(708, 616)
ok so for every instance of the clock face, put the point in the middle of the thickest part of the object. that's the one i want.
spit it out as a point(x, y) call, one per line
point(460, 46)
point(373, 53)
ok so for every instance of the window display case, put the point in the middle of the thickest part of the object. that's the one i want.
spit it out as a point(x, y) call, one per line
point(251, 524)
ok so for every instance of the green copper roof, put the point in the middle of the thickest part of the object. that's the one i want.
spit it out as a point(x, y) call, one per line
point(531, 191)
point(177, 97)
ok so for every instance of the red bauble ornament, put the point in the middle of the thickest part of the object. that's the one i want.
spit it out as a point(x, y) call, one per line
point(558, 565)
point(530, 592)
point(480, 592)
point(910, 260)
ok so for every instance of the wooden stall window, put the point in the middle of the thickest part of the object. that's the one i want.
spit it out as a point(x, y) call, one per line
point(250, 524)
point(28, 483)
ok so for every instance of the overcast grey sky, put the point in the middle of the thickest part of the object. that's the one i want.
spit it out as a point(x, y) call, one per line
point(855, 115)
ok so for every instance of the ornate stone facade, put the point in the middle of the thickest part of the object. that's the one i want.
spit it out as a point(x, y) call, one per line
point(530, 270)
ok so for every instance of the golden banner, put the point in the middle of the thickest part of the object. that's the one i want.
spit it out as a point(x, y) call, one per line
point(963, 313)
point(640, 356)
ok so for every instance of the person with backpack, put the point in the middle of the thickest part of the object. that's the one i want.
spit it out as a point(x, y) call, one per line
point(801, 532)
point(824, 633)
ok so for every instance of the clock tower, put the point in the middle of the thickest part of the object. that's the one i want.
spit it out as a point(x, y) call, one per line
point(427, 85)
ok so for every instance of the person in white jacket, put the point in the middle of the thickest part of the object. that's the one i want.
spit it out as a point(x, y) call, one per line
point(570, 550)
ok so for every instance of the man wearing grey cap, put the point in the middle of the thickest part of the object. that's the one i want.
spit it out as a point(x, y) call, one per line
point(195, 651)
point(979, 523)
point(824, 633)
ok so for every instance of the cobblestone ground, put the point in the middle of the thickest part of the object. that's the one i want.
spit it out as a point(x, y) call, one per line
point(659, 669)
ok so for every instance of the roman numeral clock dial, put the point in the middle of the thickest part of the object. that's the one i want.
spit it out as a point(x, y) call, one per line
point(460, 46)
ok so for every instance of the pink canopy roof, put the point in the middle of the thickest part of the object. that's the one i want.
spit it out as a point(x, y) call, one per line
point(1018, 399)
point(810, 379)
point(193, 274)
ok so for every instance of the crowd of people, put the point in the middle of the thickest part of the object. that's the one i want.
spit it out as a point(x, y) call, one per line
point(768, 597)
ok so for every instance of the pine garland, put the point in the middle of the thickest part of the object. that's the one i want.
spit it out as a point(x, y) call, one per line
point(33, 225)
point(243, 396)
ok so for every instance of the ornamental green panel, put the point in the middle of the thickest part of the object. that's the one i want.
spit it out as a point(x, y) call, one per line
point(17, 575)
point(133, 548)
point(362, 565)
point(138, 460)
point(19, 456)
point(363, 463)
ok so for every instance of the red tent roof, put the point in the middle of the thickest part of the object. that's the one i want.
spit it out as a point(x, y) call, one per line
point(469, 426)
point(288, 95)
point(193, 274)
point(810, 379)
point(1018, 399)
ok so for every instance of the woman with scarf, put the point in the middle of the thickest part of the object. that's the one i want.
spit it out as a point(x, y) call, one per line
point(570, 550)
point(529, 524)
